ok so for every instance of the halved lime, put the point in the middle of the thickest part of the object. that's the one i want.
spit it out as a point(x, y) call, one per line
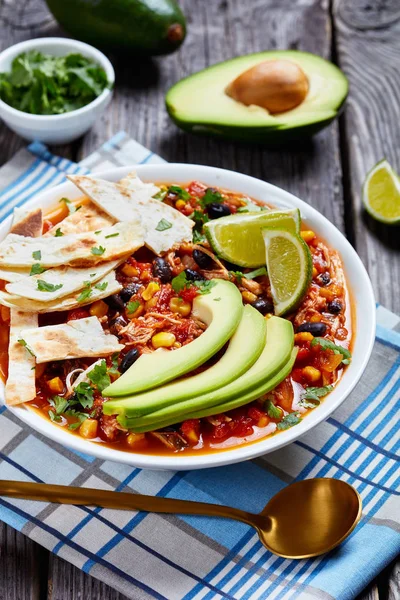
point(238, 239)
point(381, 194)
point(289, 266)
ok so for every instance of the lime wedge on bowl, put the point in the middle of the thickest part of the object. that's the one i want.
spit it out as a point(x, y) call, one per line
point(289, 266)
point(381, 194)
point(238, 238)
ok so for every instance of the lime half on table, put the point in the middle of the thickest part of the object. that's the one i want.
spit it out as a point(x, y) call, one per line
point(381, 194)
point(289, 266)
point(238, 238)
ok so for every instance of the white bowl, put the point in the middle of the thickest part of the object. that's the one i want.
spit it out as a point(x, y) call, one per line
point(56, 129)
point(362, 298)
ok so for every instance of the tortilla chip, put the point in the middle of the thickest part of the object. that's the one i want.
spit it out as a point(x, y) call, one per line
point(74, 339)
point(70, 278)
point(20, 386)
point(109, 284)
point(87, 218)
point(28, 223)
point(79, 250)
point(164, 226)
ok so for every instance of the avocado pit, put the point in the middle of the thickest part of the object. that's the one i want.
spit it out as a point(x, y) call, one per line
point(276, 85)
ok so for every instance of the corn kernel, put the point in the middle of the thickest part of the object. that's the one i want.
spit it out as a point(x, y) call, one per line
point(303, 336)
point(177, 345)
point(130, 271)
point(150, 290)
point(315, 318)
point(307, 235)
point(192, 436)
point(5, 314)
point(326, 293)
point(98, 309)
point(55, 385)
point(311, 374)
point(180, 204)
point(249, 297)
point(263, 421)
point(177, 305)
point(88, 429)
point(163, 340)
point(314, 272)
point(152, 303)
point(134, 439)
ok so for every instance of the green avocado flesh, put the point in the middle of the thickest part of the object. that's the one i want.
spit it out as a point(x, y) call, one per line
point(236, 402)
point(221, 310)
point(243, 350)
point(278, 346)
point(199, 103)
point(146, 27)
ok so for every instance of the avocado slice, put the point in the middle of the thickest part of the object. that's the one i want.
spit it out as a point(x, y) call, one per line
point(235, 402)
point(221, 309)
point(145, 27)
point(243, 350)
point(277, 348)
point(199, 103)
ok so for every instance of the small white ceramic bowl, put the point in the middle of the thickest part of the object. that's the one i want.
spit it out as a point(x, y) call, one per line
point(56, 129)
point(363, 318)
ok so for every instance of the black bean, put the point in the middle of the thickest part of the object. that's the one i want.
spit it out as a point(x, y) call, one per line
point(128, 360)
point(193, 275)
point(324, 278)
point(129, 290)
point(263, 305)
point(216, 210)
point(335, 307)
point(115, 301)
point(317, 329)
point(117, 324)
point(162, 270)
point(203, 260)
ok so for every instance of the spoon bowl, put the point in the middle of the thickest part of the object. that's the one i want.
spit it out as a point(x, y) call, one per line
point(305, 519)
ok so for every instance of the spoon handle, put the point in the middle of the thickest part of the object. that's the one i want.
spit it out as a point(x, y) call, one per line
point(62, 494)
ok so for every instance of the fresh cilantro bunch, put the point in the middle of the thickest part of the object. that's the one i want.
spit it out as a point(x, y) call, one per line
point(42, 84)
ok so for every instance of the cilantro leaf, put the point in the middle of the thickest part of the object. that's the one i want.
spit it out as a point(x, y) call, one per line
point(36, 269)
point(97, 251)
point(43, 286)
point(81, 416)
point(99, 376)
point(132, 307)
point(179, 282)
point(238, 275)
point(160, 195)
point(71, 207)
point(25, 345)
point(113, 370)
point(255, 273)
point(111, 235)
point(328, 345)
point(85, 293)
point(178, 191)
point(163, 225)
point(37, 255)
point(58, 233)
point(101, 286)
point(84, 394)
point(59, 403)
point(289, 421)
point(273, 411)
point(311, 395)
point(204, 286)
point(210, 197)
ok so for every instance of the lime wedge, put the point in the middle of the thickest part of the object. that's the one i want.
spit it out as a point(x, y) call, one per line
point(289, 266)
point(238, 239)
point(381, 194)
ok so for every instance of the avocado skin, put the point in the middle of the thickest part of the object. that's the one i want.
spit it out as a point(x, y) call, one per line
point(134, 26)
point(266, 387)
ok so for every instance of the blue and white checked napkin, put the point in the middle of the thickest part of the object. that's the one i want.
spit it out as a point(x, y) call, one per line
point(184, 558)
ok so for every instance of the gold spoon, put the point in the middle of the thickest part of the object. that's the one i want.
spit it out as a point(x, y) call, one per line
point(305, 519)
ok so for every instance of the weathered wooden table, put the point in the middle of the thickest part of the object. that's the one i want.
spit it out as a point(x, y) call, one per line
point(363, 37)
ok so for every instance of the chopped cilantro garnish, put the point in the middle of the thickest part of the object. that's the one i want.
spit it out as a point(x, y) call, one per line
point(273, 411)
point(71, 207)
point(111, 235)
point(43, 286)
point(99, 376)
point(160, 195)
point(178, 191)
point(58, 233)
point(113, 370)
point(59, 403)
point(36, 269)
point(180, 282)
point(77, 415)
point(97, 232)
point(238, 274)
point(85, 293)
point(37, 255)
point(163, 225)
point(84, 394)
point(25, 345)
point(311, 395)
point(101, 286)
point(204, 286)
point(97, 251)
point(289, 420)
point(210, 197)
point(132, 307)
point(328, 345)
point(255, 273)
point(217, 299)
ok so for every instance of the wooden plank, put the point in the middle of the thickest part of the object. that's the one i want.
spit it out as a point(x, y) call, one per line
point(368, 45)
point(23, 572)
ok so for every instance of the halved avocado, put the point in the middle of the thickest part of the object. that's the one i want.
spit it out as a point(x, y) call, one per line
point(221, 310)
point(243, 350)
point(276, 353)
point(236, 402)
point(200, 103)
